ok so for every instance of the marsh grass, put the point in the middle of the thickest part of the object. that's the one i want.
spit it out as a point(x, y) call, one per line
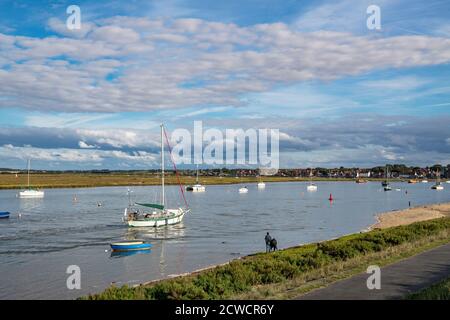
point(86, 180)
point(290, 272)
point(438, 291)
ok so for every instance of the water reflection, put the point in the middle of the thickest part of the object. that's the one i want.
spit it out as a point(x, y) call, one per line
point(122, 254)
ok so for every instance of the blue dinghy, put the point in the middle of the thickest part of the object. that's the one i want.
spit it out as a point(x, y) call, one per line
point(4, 214)
point(130, 245)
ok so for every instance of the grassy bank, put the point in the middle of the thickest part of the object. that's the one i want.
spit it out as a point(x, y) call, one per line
point(286, 273)
point(439, 291)
point(82, 180)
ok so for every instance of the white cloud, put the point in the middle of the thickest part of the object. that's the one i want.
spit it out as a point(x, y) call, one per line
point(84, 145)
point(127, 67)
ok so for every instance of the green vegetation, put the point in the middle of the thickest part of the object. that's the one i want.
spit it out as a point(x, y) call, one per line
point(439, 291)
point(258, 274)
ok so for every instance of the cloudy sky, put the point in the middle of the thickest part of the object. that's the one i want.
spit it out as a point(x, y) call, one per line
point(339, 93)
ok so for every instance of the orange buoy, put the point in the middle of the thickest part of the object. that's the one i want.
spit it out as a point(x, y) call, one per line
point(331, 197)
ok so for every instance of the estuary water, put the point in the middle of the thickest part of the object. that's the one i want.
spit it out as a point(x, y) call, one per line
point(75, 227)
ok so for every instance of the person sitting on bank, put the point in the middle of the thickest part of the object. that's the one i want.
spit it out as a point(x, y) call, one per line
point(268, 238)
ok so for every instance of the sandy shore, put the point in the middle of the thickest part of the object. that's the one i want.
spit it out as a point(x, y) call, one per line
point(407, 216)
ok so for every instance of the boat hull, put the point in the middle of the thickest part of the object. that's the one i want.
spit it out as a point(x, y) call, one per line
point(311, 188)
point(4, 215)
point(196, 188)
point(170, 219)
point(31, 194)
point(130, 246)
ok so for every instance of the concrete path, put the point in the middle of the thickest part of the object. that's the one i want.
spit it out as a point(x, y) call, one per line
point(397, 279)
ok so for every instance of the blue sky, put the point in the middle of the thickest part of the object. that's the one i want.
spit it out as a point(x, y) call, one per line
point(339, 93)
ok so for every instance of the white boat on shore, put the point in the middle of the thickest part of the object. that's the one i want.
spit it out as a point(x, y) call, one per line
point(160, 215)
point(30, 193)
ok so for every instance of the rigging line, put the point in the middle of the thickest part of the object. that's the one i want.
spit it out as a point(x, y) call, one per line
point(175, 168)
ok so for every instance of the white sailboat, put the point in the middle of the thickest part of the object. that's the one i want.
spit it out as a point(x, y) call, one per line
point(31, 193)
point(197, 187)
point(243, 190)
point(261, 184)
point(160, 216)
point(311, 186)
point(438, 185)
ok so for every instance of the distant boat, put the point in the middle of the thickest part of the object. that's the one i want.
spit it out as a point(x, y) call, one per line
point(130, 245)
point(438, 185)
point(311, 186)
point(412, 181)
point(243, 190)
point(385, 183)
point(197, 187)
point(30, 193)
point(359, 180)
point(163, 216)
point(4, 215)
point(424, 181)
point(448, 181)
point(261, 185)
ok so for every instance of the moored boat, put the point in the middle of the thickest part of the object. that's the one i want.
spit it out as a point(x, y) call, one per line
point(130, 245)
point(4, 214)
point(197, 187)
point(243, 190)
point(160, 215)
point(438, 185)
point(31, 193)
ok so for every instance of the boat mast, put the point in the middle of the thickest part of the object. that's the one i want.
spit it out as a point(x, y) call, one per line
point(196, 181)
point(162, 164)
point(29, 164)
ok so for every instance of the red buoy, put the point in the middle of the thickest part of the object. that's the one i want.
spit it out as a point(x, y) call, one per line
point(331, 197)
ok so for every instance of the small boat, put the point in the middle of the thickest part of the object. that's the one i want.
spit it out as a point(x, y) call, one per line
point(311, 186)
point(197, 187)
point(438, 185)
point(424, 181)
point(361, 180)
point(448, 181)
point(130, 245)
point(31, 193)
point(412, 181)
point(4, 214)
point(243, 190)
point(385, 183)
point(261, 185)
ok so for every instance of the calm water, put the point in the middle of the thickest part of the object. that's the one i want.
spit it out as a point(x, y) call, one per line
point(55, 232)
